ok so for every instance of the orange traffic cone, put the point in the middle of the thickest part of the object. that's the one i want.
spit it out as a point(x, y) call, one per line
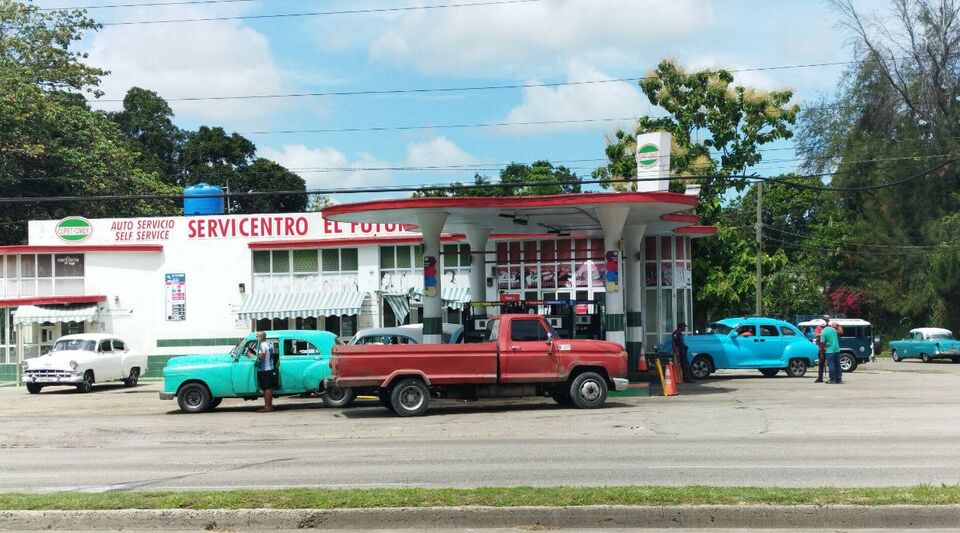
point(642, 362)
point(669, 388)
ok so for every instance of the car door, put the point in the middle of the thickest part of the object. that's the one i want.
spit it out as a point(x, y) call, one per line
point(108, 362)
point(530, 355)
point(744, 352)
point(244, 371)
point(296, 355)
point(770, 344)
point(910, 347)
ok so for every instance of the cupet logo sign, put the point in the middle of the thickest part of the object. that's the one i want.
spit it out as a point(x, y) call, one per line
point(648, 155)
point(74, 229)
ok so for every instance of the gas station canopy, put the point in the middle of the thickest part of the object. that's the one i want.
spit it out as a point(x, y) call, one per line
point(661, 212)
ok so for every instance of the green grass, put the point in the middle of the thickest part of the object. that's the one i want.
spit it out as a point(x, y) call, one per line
point(497, 497)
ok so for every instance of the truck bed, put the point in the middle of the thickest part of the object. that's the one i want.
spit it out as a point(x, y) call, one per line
point(438, 364)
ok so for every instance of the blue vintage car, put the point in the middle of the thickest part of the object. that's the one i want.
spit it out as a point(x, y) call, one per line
point(302, 358)
point(767, 344)
point(926, 344)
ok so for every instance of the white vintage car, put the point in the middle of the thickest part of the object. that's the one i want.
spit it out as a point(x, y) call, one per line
point(82, 360)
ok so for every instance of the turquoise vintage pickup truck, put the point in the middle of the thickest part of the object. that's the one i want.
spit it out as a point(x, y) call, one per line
point(200, 382)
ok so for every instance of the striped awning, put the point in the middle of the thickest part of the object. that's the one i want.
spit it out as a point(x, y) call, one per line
point(455, 297)
point(400, 303)
point(302, 304)
point(31, 314)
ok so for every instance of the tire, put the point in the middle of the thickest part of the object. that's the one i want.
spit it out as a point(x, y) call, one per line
point(588, 390)
point(133, 379)
point(769, 372)
point(34, 388)
point(338, 397)
point(86, 385)
point(700, 368)
point(955, 360)
point(410, 397)
point(925, 358)
point(895, 356)
point(194, 398)
point(796, 368)
point(563, 399)
point(848, 362)
point(215, 402)
point(384, 396)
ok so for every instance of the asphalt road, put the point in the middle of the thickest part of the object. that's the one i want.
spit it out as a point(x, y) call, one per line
point(889, 424)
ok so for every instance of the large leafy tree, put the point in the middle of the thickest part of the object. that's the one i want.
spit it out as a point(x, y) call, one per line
point(147, 119)
point(717, 129)
point(517, 179)
point(895, 115)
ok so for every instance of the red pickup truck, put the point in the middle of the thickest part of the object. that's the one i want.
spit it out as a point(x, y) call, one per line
point(521, 356)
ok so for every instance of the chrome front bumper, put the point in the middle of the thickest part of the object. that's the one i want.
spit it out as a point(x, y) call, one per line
point(620, 384)
point(52, 377)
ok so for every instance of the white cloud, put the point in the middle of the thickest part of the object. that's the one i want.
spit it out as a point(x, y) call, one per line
point(574, 102)
point(438, 152)
point(515, 38)
point(189, 59)
point(325, 168)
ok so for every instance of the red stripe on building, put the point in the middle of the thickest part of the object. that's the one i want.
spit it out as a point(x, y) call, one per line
point(52, 300)
point(31, 249)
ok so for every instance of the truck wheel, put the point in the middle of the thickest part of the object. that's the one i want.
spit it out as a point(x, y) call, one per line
point(194, 398)
point(925, 358)
point(410, 397)
point(895, 356)
point(796, 368)
point(700, 368)
point(87, 384)
point(769, 372)
point(848, 363)
point(34, 388)
point(134, 377)
point(588, 390)
point(338, 397)
point(384, 396)
point(215, 402)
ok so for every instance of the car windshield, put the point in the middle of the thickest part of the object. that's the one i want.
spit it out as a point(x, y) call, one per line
point(75, 344)
point(238, 349)
point(718, 329)
point(942, 337)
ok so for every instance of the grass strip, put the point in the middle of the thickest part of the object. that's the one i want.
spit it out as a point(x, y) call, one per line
point(312, 498)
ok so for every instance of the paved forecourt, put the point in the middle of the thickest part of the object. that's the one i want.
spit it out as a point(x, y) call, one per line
point(889, 424)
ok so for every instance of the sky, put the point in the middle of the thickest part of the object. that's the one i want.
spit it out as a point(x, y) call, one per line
point(392, 47)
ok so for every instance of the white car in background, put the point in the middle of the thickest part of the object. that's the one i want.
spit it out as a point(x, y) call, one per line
point(82, 360)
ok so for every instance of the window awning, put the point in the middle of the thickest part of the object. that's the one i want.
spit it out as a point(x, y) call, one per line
point(399, 302)
point(455, 297)
point(30, 314)
point(303, 304)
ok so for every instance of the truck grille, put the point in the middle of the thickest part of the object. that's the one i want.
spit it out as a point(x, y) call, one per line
point(48, 373)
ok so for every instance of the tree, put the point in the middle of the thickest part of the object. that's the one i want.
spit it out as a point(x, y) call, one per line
point(51, 143)
point(717, 131)
point(147, 119)
point(266, 175)
point(517, 179)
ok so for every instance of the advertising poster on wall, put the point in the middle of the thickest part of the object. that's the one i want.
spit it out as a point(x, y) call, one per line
point(175, 287)
point(530, 277)
point(548, 276)
point(503, 278)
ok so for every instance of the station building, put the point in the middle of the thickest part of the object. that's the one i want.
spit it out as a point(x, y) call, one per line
point(198, 284)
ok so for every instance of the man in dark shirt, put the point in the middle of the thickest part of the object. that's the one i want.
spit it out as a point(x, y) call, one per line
point(680, 350)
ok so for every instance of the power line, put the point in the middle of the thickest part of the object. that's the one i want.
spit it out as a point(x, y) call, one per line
point(322, 13)
point(151, 4)
point(866, 245)
point(456, 186)
point(835, 248)
point(439, 126)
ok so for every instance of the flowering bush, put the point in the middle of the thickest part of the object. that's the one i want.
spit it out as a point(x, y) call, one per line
point(846, 301)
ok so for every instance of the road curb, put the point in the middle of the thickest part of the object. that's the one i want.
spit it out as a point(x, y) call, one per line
point(599, 516)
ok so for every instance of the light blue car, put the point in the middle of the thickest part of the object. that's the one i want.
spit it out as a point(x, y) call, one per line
point(767, 344)
point(301, 357)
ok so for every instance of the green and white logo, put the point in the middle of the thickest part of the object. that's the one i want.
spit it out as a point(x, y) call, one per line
point(648, 155)
point(74, 229)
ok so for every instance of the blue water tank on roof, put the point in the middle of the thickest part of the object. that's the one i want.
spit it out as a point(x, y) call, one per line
point(197, 200)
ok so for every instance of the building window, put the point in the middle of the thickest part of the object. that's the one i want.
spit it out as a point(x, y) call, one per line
point(341, 326)
point(530, 267)
point(41, 275)
point(401, 269)
point(306, 270)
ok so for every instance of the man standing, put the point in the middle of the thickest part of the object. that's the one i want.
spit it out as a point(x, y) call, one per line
point(821, 353)
point(265, 370)
point(680, 351)
point(831, 342)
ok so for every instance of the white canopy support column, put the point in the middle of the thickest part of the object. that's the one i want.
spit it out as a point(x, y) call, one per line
point(431, 226)
point(634, 273)
point(612, 219)
point(477, 239)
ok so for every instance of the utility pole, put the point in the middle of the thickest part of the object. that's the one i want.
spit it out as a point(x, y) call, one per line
point(759, 308)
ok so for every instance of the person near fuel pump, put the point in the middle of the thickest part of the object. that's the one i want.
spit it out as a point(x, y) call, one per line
point(680, 350)
point(830, 337)
point(266, 373)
